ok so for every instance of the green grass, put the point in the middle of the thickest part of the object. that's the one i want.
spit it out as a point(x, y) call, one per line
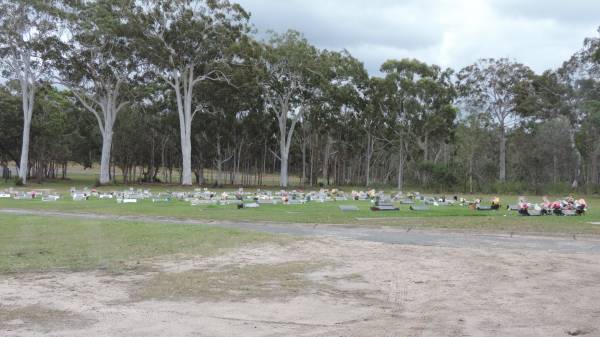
point(36, 244)
point(317, 213)
point(450, 217)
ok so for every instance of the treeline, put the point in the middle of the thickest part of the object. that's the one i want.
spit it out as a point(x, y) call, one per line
point(167, 91)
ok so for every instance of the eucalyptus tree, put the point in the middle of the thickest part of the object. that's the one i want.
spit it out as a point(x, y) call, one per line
point(186, 42)
point(419, 105)
point(25, 29)
point(372, 121)
point(342, 86)
point(289, 66)
point(98, 65)
point(492, 87)
point(551, 99)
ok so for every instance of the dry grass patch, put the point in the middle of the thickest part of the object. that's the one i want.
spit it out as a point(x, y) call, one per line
point(231, 283)
point(13, 317)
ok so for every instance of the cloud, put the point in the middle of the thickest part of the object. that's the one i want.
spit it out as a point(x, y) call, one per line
point(541, 34)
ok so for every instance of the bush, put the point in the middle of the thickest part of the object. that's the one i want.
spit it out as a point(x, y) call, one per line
point(19, 181)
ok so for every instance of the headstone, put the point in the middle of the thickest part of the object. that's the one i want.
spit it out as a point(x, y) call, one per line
point(50, 197)
point(348, 208)
point(126, 201)
point(384, 206)
point(267, 202)
point(199, 202)
point(79, 197)
point(419, 208)
point(535, 212)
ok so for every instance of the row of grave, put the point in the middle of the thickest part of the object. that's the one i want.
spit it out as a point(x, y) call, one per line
point(206, 197)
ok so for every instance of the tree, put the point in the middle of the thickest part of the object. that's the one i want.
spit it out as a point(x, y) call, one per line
point(11, 118)
point(289, 71)
point(25, 28)
point(491, 86)
point(340, 96)
point(186, 42)
point(98, 66)
point(550, 99)
point(419, 105)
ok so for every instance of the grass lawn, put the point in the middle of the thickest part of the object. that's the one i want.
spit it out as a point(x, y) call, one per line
point(36, 244)
point(453, 217)
point(450, 217)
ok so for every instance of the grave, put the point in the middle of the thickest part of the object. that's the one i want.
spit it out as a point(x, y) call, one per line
point(126, 201)
point(267, 202)
point(79, 197)
point(535, 212)
point(199, 202)
point(348, 208)
point(419, 208)
point(384, 206)
point(50, 198)
point(161, 198)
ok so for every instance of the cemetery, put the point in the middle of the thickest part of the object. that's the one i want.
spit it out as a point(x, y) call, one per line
point(267, 168)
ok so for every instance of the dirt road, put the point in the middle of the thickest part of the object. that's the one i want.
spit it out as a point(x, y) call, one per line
point(338, 281)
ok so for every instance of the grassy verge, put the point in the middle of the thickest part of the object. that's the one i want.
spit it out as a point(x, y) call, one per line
point(36, 244)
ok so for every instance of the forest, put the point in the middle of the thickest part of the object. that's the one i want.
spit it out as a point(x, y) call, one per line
point(186, 92)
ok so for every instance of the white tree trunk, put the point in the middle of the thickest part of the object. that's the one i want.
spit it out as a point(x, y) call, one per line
point(401, 167)
point(283, 177)
point(285, 139)
point(326, 155)
point(184, 109)
point(368, 156)
point(28, 95)
point(186, 154)
point(106, 118)
point(24, 163)
point(105, 159)
point(502, 159)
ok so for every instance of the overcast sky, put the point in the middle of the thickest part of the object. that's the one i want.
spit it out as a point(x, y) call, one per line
point(453, 33)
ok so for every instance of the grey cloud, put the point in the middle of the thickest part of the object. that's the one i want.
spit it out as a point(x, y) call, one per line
point(343, 24)
point(454, 33)
point(562, 11)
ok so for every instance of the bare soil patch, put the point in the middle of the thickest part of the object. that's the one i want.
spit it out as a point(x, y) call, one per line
point(324, 287)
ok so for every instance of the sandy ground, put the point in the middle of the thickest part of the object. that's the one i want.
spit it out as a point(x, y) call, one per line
point(321, 287)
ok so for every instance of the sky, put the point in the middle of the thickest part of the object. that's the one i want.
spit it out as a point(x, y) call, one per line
point(451, 33)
